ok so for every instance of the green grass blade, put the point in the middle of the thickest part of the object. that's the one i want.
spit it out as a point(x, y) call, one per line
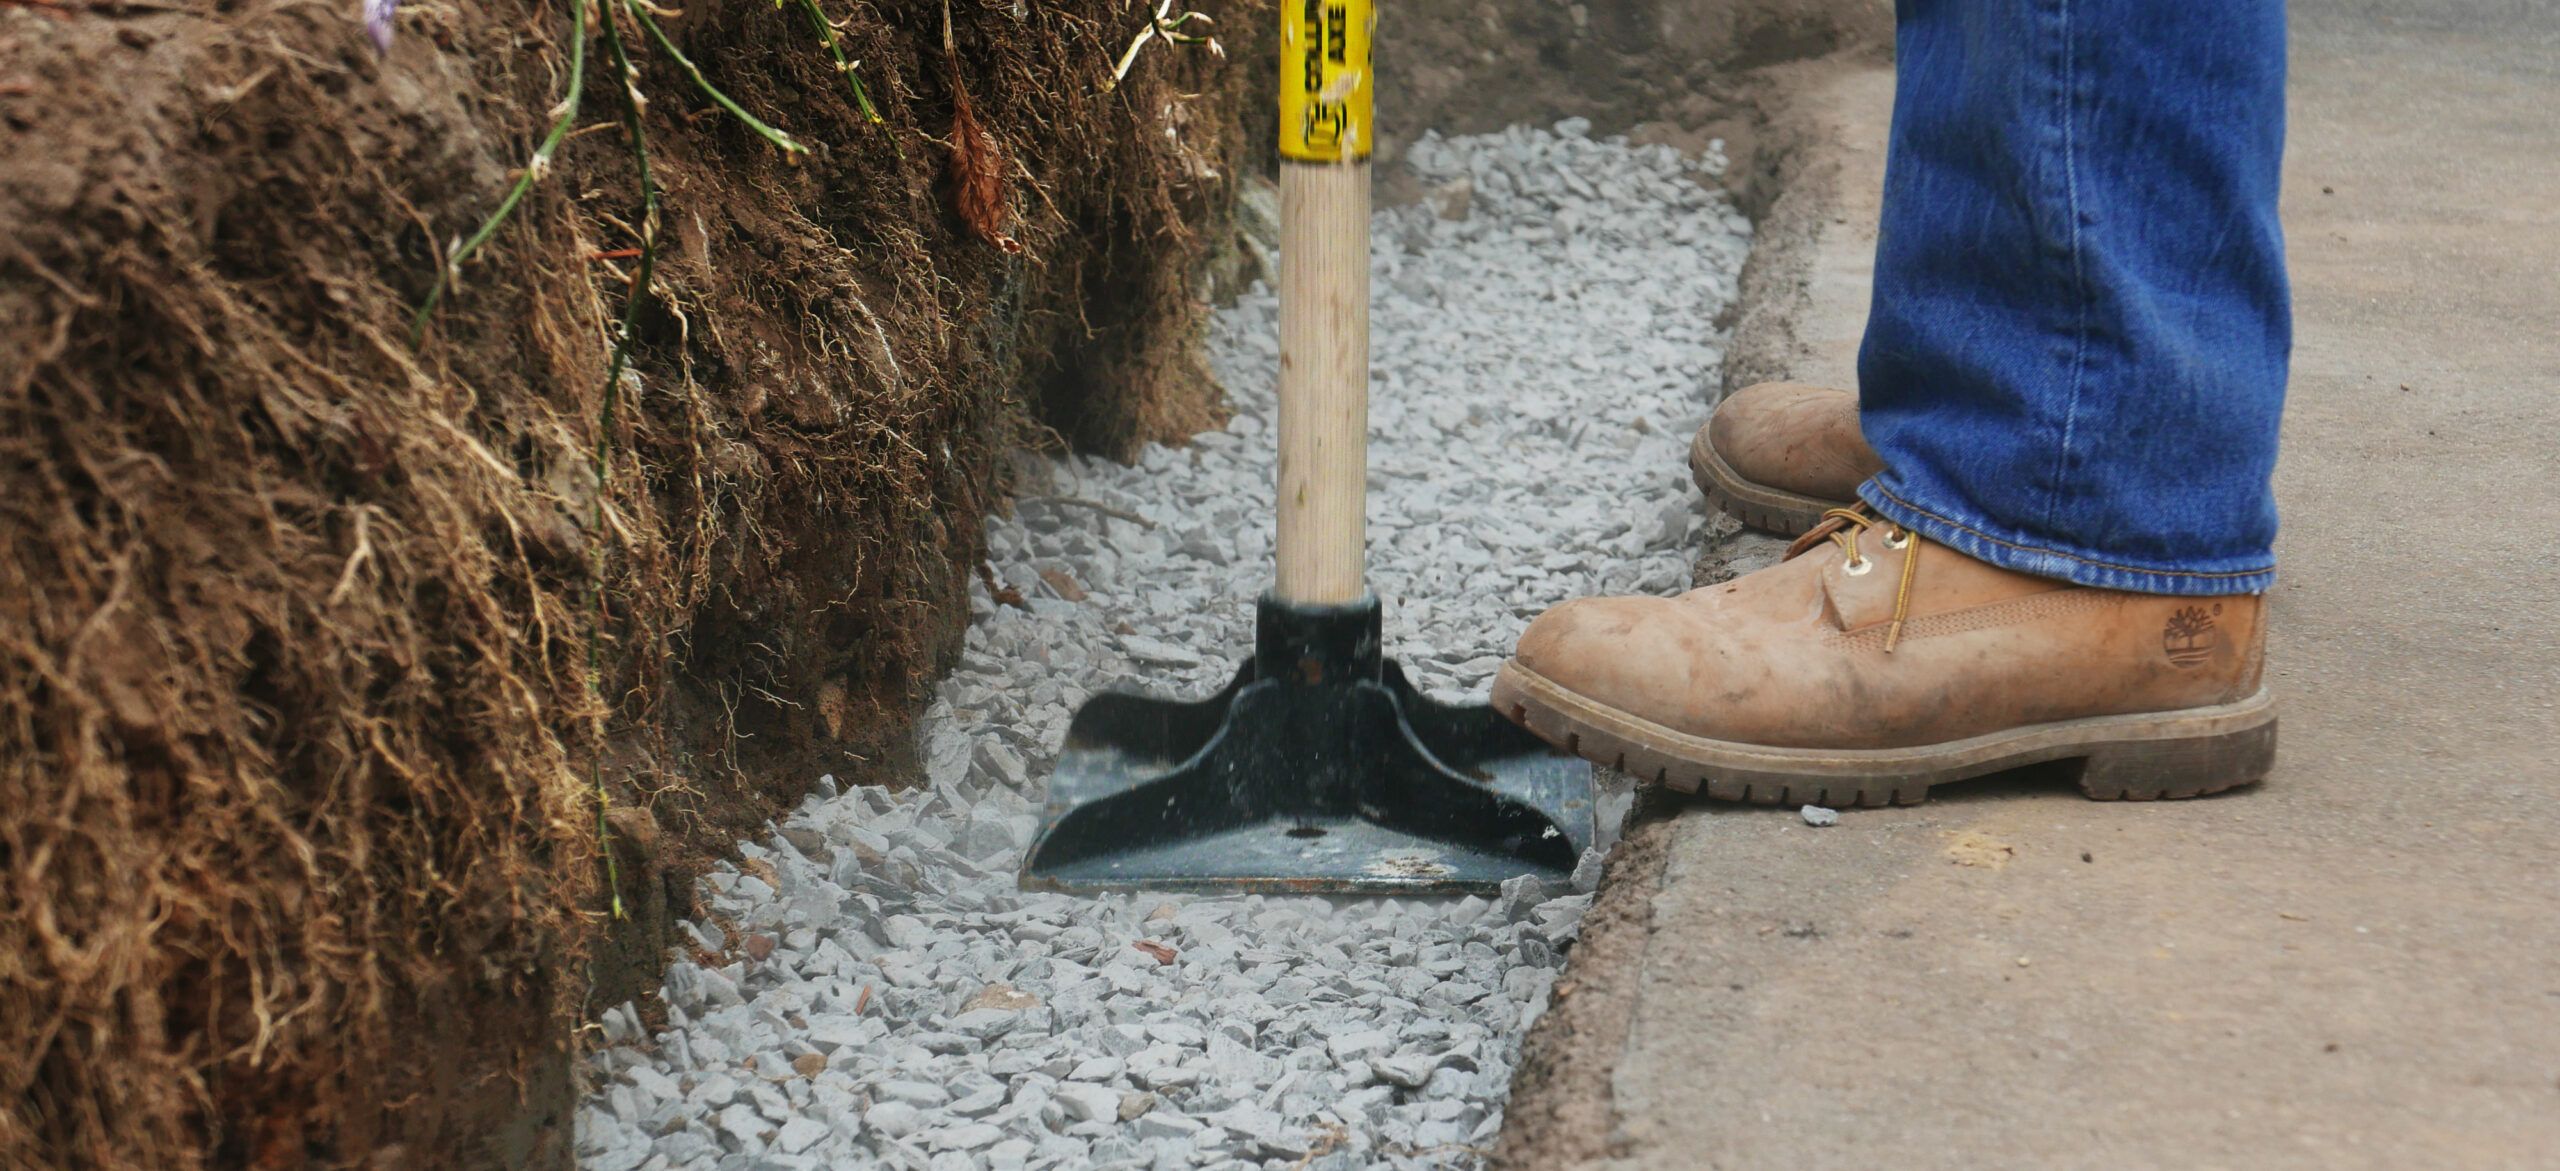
point(659, 35)
point(533, 172)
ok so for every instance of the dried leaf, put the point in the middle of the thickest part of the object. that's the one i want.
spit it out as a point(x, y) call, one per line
point(977, 174)
point(1065, 585)
point(977, 164)
point(1162, 954)
point(1003, 594)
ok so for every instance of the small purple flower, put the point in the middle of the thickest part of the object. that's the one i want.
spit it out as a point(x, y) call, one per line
point(377, 21)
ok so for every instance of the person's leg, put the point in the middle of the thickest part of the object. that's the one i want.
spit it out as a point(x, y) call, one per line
point(2072, 375)
point(2077, 350)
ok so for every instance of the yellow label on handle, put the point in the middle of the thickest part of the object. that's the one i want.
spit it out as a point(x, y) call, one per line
point(1325, 81)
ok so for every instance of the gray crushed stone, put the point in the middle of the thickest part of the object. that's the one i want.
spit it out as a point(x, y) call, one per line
point(1543, 347)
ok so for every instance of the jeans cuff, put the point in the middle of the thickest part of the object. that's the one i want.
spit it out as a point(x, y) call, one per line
point(1976, 539)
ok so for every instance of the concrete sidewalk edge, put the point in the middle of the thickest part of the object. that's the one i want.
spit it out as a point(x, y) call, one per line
point(1797, 314)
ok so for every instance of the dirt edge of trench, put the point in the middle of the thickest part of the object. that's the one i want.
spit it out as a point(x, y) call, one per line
point(1563, 1110)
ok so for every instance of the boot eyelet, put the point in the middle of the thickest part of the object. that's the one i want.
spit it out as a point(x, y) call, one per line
point(1857, 566)
point(1897, 539)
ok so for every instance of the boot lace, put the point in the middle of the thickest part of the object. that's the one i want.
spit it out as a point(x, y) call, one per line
point(1843, 526)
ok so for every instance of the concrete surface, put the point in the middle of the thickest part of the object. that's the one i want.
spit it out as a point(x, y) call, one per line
point(2356, 964)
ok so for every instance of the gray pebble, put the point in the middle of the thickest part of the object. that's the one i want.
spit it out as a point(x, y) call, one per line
point(1089, 1103)
point(965, 1137)
point(895, 1119)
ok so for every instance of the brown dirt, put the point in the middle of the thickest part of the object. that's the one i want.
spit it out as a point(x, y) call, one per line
point(1793, 189)
point(298, 863)
point(1586, 1023)
point(1473, 67)
point(1682, 72)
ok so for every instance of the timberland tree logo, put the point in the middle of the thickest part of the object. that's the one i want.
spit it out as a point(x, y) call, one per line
point(2191, 636)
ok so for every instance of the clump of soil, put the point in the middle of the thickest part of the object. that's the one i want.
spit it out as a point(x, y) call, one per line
point(299, 845)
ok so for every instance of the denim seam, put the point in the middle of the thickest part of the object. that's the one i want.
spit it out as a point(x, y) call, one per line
point(1877, 486)
point(2062, 462)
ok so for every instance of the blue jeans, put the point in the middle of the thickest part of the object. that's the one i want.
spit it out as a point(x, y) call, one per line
point(2076, 356)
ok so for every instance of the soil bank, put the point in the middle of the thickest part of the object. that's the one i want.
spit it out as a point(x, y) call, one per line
point(316, 640)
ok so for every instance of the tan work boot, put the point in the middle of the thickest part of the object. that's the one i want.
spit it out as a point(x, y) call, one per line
point(1776, 455)
point(1871, 665)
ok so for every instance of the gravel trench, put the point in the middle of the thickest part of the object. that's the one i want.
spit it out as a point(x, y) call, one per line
point(876, 992)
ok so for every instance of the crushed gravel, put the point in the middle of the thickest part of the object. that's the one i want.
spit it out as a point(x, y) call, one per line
point(1544, 344)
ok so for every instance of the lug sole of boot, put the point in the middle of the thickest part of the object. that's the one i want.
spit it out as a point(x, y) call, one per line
point(1772, 510)
point(2142, 757)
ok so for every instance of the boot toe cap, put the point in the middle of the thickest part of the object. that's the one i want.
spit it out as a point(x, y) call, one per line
point(1610, 651)
point(1793, 437)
